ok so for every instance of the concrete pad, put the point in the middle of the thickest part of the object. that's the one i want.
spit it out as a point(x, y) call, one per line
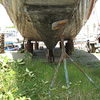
point(79, 56)
point(13, 55)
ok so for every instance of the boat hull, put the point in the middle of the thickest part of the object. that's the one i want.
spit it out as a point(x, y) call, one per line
point(34, 18)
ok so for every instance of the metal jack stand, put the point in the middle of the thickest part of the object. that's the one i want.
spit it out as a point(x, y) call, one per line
point(60, 25)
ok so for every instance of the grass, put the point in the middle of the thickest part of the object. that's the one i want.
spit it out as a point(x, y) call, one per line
point(30, 80)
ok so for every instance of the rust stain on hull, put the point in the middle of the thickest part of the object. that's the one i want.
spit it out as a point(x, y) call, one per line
point(59, 24)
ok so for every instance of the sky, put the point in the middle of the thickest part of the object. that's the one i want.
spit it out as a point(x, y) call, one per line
point(4, 18)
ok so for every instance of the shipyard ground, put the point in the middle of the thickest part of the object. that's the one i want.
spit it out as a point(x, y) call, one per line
point(79, 56)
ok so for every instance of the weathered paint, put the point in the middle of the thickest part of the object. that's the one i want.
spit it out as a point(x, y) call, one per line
point(59, 24)
point(33, 18)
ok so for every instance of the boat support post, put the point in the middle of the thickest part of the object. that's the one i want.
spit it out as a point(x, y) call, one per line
point(36, 45)
point(60, 25)
point(69, 47)
point(50, 55)
point(63, 57)
point(29, 47)
point(2, 42)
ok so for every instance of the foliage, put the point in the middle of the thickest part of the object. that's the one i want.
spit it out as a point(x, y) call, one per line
point(29, 79)
point(12, 27)
point(4, 61)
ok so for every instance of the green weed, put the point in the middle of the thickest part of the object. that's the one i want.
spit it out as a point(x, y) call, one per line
point(29, 79)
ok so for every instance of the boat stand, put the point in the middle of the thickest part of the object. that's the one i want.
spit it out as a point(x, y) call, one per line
point(60, 25)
